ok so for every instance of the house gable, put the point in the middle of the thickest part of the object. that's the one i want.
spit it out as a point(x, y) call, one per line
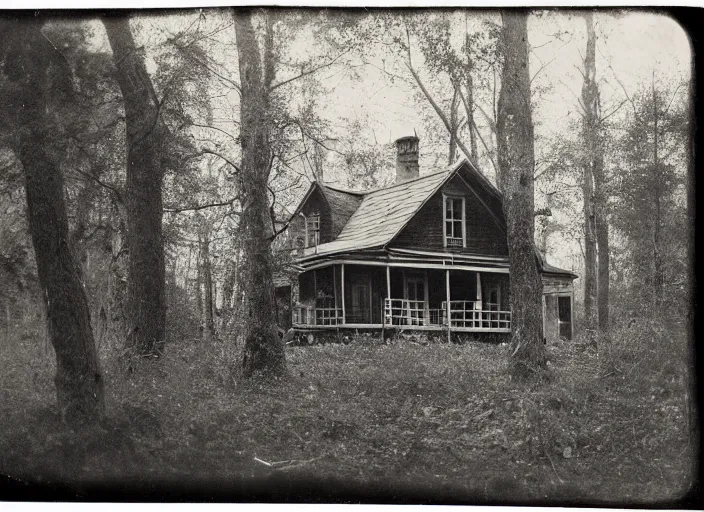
point(334, 208)
point(314, 203)
point(485, 233)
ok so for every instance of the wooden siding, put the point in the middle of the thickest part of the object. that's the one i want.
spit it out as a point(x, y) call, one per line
point(556, 284)
point(316, 203)
point(550, 312)
point(425, 230)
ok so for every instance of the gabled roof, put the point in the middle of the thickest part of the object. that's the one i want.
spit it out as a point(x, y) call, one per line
point(384, 212)
point(342, 203)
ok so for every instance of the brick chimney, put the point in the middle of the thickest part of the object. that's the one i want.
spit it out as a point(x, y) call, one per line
point(407, 159)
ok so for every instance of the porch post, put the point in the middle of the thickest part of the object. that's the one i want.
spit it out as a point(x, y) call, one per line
point(545, 310)
point(388, 296)
point(571, 313)
point(479, 301)
point(334, 291)
point(388, 282)
point(447, 303)
point(343, 293)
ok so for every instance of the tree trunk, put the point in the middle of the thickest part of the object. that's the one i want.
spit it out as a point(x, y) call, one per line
point(454, 126)
point(516, 164)
point(146, 138)
point(207, 279)
point(199, 290)
point(263, 350)
point(590, 127)
point(602, 241)
point(601, 220)
point(42, 81)
point(115, 316)
point(470, 98)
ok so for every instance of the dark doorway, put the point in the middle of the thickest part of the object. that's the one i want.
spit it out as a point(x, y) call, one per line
point(283, 306)
point(564, 316)
point(360, 305)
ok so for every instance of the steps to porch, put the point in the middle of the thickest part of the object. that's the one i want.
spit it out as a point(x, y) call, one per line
point(465, 316)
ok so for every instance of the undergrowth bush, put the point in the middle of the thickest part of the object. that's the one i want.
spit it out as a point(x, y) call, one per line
point(610, 424)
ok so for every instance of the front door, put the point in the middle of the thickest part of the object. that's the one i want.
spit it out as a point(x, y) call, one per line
point(564, 316)
point(416, 300)
point(361, 307)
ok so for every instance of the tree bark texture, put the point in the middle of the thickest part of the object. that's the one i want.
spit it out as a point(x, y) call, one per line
point(516, 164)
point(602, 242)
point(454, 127)
point(40, 81)
point(206, 273)
point(593, 159)
point(263, 350)
point(228, 289)
point(146, 148)
point(470, 101)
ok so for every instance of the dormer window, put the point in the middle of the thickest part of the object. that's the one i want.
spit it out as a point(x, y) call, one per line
point(312, 230)
point(454, 227)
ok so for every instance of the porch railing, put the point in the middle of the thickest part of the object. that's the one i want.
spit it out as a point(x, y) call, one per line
point(311, 315)
point(464, 314)
point(474, 315)
point(410, 312)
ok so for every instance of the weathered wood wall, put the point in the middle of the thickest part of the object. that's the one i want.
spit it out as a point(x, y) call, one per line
point(425, 231)
point(316, 203)
point(550, 313)
point(556, 284)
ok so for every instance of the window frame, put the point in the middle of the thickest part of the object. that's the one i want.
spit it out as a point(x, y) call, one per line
point(445, 219)
point(315, 231)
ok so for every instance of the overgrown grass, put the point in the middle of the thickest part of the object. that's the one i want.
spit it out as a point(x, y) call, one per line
point(436, 420)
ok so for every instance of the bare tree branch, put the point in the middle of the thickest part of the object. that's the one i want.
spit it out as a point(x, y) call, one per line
point(309, 72)
point(436, 107)
point(211, 152)
point(604, 118)
point(202, 206)
point(212, 128)
point(481, 138)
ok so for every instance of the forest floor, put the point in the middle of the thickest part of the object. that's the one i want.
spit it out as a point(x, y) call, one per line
point(402, 421)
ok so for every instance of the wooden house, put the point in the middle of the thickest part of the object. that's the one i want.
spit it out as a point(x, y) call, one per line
point(428, 253)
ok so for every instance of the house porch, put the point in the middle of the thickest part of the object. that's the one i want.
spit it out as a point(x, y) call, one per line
point(385, 296)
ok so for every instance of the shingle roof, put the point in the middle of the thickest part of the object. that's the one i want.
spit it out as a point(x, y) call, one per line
point(343, 204)
point(384, 212)
point(552, 269)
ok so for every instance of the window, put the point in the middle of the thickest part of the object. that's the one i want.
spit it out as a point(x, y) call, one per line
point(454, 228)
point(312, 230)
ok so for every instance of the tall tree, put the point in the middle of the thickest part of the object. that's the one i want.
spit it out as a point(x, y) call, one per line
point(263, 350)
point(593, 167)
point(516, 168)
point(146, 153)
point(37, 99)
point(650, 215)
